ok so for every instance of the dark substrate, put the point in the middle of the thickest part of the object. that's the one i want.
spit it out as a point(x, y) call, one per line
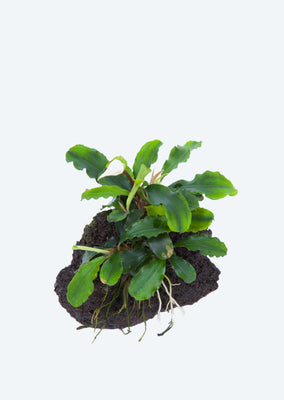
point(97, 233)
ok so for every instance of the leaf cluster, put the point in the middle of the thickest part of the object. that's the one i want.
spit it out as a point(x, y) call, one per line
point(145, 212)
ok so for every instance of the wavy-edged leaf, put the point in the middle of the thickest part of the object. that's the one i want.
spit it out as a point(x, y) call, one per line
point(148, 227)
point(81, 285)
point(191, 199)
point(207, 245)
point(183, 269)
point(133, 216)
point(214, 185)
point(162, 246)
point(132, 260)
point(111, 269)
point(178, 155)
point(85, 157)
point(148, 279)
point(116, 180)
point(116, 215)
point(147, 155)
point(143, 171)
point(155, 210)
point(104, 191)
point(177, 210)
point(201, 219)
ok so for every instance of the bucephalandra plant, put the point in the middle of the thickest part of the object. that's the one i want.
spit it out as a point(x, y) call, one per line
point(144, 213)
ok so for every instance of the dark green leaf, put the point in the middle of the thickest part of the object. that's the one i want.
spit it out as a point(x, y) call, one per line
point(201, 219)
point(207, 245)
point(91, 159)
point(111, 243)
point(81, 286)
point(133, 216)
point(116, 180)
point(149, 278)
point(148, 227)
point(177, 210)
point(87, 257)
point(104, 191)
point(111, 269)
point(179, 154)
point(183, 269)
point(212, 184)
point(147, 155)
point(162, 246)
point(116, 215)
point(132, 260)
point(191, 199)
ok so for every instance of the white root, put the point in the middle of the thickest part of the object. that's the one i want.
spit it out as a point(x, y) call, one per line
point(160, 305)
point(172, 300)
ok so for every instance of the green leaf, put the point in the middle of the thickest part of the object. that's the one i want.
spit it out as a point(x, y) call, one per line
point(91, 159)
point(155, 210)
point(162, 246)
point(201, 219)
point(207, 245)
point(81, 285)
point(183, 269)
point(178, 155)
point(143, 171)
point(147, 155)
point(116, 180)
point(191, 199)
point(116, 215)
point(133, 216)
point(104, 191)
point(212, 184)
point(149, 278)
point(111, 269)
point(132, 260)
point(148, 227)
point(177, 210)
point(92, 249)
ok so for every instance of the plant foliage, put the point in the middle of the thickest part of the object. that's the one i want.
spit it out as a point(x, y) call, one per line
point(145, 213)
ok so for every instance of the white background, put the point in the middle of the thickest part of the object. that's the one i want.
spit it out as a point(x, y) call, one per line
point(113, 75)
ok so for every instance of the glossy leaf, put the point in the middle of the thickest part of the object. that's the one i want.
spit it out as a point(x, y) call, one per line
point(148, 227)
point(116, 215)
point(178, 155)
point(201, 219)
point(132, 260)
point(147, 155)
point(183, 269)
point(155, 210)
point(81, 286)
point(116, 180)
point(133, 216)
point(148, 279)
point(111, 269)
point(192, 200)
point(162, 246)
point(212, 184)
point(143, 171)
point(207, 245)
point(177, 210)
point(104, 191)
point(85, 157)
